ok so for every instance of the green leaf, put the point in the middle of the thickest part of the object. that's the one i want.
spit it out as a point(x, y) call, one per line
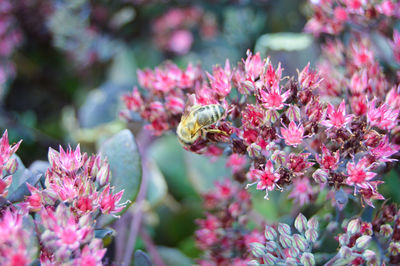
point(203, 172)
point(173, 257)
point(157, 188)
point(124, 159)
point(19, 176)
point(22, 191)
point(168, 154)
point(102, 233)
point(142, 259)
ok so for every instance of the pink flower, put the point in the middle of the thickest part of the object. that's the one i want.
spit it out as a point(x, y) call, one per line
point(69, 161)
point(383, 116)
point(236, 162)
point(180, 42)
point(133, 101)
point(175, 104)
point(393, 98)
point(253, 116)
point(338, 118)
point(220, 80)
point(91, 254)
point(298, 163)
point(340, 14)
point(14, 240)
point(302, 191)
point(272, 98)
point(358, 175)
point(265, 180)
point(396, 45)
point(371, 193)
point(146, 78)
point(328, 160)
point(308, 78)
point(163, 81)
point(253, 66)
point(271, 76)
point(386, 7)
point(109, 203)
point(384, 150)
point(293, 135)
point(6, 150)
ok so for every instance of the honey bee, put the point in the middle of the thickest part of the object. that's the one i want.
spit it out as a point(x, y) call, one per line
point(195, 121)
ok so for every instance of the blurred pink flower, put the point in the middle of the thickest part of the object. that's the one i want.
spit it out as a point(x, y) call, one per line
point(180, 42)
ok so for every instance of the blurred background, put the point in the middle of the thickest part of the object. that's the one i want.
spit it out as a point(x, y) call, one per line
point(64, 65)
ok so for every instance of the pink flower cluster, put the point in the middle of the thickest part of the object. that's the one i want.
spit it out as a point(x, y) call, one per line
point(74, 192)
point(283, 128)
point(332, 16)
point(8, 165)
point(173, 30)
point(223, 235)
point(14, 239)
point(163, 102)
point(80, 181)
point(10, 38)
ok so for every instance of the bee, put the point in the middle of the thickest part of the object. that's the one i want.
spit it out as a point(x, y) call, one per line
point(195, 121)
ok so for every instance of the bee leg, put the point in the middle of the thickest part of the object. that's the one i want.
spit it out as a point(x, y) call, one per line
point(217, 131)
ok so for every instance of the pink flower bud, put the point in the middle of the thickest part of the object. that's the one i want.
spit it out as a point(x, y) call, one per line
point(270, 233)
point(257, 249)
point(300, 242)
point(345, 252)
point(394, 248)
point(285, 240)
point(271, 246)
point(313, 223)
point(300, 223)
point(11, 166)
point(104, 175)
point(307, 259)
point(386, 230)
point(353, 227)
point(370, 256)
point(284, 229)
point(320, 176)
point(362, 242)
point(311, 235)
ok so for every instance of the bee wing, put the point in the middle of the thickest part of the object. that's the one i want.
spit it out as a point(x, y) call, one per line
point(190, 106)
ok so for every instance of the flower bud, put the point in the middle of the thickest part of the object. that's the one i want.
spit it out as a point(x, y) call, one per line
point(353, 227)
point(271, 116)
point(11, 166)
point(313, 223)
point(254, 151)
point(394, 248)
point(293, 113)
point(279, 157)
point(311, 235)
point(293, 252)
point(52, 156)
point(345, 252)
point(285, 240)
point(270, 233)
point(257, 249)
point(104, 175)
point(247, 86)
point(386, 230)
point(362, 242)
point(284, 229)
point(300, 242)
point(291, 262)
point(253, 263)
point(370, 256)
point(269, 259)
point(271, 246)
point(320, 176)
point(307, 259)
point(300, 223)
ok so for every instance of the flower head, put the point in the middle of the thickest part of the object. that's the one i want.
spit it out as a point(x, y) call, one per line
point(383, 116)
point(301, 191)
point(358, 174)
point(265, 179)
point(109, 202)
point(293, 135)
point(337, 118)
point(272, 98)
